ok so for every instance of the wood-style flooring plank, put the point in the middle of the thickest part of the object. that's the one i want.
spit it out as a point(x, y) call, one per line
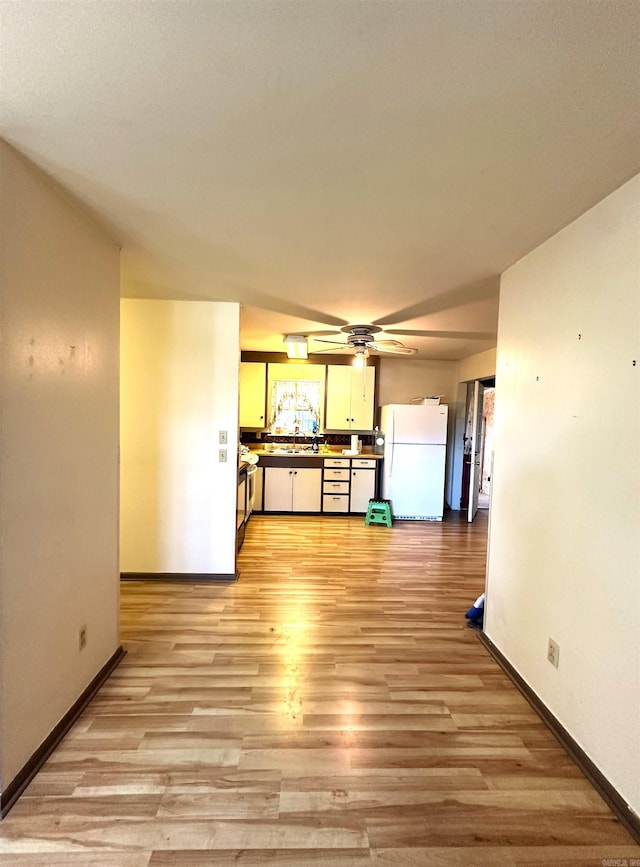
point(331, 708)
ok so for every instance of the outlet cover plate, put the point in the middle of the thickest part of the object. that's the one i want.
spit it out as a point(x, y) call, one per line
point(553, 652)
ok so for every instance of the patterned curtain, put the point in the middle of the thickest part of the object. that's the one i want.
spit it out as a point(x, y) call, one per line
point(295, 405)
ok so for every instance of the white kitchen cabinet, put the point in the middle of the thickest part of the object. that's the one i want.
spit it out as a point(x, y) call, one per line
point(287, 489)
point(253, 394)
point(363, 486)
point(350, 397)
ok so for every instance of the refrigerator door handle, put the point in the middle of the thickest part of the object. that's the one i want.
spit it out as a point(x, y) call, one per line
point(393, 441)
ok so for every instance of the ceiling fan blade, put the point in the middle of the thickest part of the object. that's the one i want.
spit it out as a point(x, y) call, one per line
point(447, 335)
point(388, 343)
point(337, 342)
point(394, 350)
point(315, 334)
point(344, 347)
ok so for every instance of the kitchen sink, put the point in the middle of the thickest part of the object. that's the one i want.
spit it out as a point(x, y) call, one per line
point(291, 451)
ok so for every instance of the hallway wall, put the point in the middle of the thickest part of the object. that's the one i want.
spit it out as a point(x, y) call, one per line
point(564, 556)
point(58, 456)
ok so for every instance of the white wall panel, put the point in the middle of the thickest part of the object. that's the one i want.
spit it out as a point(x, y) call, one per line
point(565, 540)
point(180, 375)
point(60, 300)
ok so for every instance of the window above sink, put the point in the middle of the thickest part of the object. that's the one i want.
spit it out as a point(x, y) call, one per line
point(295, 406)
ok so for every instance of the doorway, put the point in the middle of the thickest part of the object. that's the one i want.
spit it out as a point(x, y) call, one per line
point(487, 447)
point(477, 446)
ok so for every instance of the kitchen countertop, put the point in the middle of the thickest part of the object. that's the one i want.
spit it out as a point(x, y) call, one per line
point(307, 453)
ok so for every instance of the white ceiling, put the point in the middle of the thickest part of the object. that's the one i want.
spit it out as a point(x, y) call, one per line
point(328, 162)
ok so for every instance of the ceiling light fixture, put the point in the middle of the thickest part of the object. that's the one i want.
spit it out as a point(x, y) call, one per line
point(296, 345)
point(361, 353)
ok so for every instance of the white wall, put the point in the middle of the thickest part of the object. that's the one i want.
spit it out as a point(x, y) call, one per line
point(479, 366)
point(179, 389)
point(402, 379)
point(565, 538)
point(58, 456)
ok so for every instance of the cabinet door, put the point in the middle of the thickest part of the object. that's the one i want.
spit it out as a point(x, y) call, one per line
point(307, 490)
point(278, 488)
point(363, 488)
point(253, 384)
point(350, 395)
point(338, 397)
point(362, 393)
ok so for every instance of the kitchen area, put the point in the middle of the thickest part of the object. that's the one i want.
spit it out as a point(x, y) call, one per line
point(314, 440)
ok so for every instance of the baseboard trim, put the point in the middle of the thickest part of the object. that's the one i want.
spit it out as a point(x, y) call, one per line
point(22, 779)
point(182, 577)
point(622, 811)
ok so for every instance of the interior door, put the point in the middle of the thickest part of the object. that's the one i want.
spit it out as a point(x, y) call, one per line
point(476, 450)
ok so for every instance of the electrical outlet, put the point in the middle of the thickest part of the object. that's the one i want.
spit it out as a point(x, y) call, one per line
point(553, 652)
point(222, 456)
point(222, 437)
point(82, 638)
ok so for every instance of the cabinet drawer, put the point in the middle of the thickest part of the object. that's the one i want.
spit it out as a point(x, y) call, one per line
point(363, 463)
point(335, 502)
point(335, 488)
point(337, 462)
point(336, 475)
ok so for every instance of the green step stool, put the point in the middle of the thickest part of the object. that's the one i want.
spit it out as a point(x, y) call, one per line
point(378, 512)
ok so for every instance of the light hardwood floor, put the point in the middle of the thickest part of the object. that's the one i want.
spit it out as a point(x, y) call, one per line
point(331, 708)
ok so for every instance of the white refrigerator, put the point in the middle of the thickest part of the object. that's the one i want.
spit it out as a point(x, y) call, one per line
point(413, 470)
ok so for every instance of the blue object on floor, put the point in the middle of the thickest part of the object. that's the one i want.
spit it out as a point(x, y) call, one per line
point(475, 614)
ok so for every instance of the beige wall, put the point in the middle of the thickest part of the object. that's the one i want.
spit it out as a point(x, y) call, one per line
point(565, 539)
point(179, 389)
point(401, 379)
point(58, 456)
point(478, 366)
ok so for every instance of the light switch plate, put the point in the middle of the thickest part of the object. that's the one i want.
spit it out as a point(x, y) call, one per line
point(222, 456)
point(222, 437)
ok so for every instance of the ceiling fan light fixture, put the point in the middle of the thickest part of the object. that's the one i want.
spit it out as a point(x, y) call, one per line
point(361, 354)
point(296, 345)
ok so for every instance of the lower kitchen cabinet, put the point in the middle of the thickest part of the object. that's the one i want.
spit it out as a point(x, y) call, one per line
point(363, 485)
point(348, 485)
point(292, 490)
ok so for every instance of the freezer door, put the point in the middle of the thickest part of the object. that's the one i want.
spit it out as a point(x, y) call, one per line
point(413, 479)
point(408, 423)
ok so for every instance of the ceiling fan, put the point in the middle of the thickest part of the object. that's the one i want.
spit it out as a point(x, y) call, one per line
point(360, 340)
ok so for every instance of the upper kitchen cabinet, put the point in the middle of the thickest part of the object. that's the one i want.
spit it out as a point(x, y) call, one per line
point(350, 397)
point(253, 394)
